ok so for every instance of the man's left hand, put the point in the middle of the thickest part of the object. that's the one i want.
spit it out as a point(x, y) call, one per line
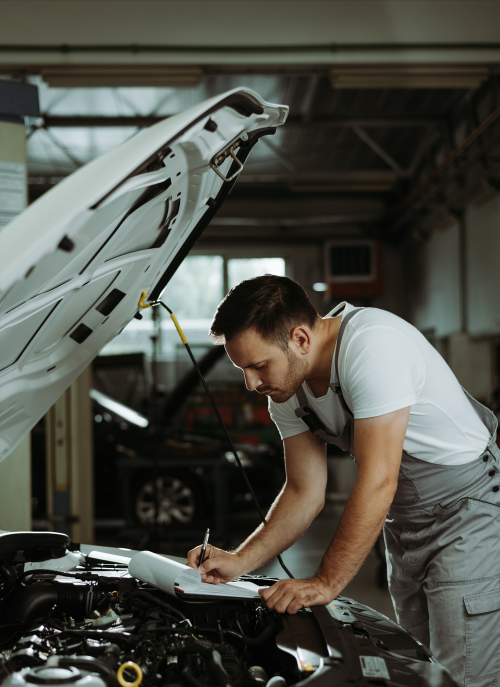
point(289, 596)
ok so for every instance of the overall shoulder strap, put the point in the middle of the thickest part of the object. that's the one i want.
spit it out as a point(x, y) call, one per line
point(301, 396)
point(336, 387)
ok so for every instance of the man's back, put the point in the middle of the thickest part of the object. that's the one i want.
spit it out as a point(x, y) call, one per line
point(386, 364)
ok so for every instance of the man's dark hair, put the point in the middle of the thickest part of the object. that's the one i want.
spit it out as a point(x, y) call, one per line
point(271, 305)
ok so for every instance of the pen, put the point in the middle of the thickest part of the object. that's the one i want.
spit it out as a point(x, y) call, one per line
point(204, 547)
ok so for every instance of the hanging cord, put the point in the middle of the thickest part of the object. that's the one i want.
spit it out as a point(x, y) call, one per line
point(143, 304)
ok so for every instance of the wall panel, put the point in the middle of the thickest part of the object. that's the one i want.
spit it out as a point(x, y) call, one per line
point(434, 283)
point(483, 268)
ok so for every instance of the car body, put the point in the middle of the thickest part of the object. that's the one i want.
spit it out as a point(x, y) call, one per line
point(75, 266)
point(81, 618)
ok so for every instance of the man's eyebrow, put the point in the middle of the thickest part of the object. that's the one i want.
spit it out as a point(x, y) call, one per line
point(253, 364)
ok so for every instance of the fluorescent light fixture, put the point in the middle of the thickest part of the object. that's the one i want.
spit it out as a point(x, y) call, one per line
point(119, 409)
point(121, 76)
point(408, 76)
point(320, 286)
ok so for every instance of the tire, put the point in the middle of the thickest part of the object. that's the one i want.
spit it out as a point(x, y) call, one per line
point(178, 498)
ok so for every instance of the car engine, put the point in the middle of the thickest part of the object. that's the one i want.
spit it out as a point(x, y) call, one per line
point(79, 618)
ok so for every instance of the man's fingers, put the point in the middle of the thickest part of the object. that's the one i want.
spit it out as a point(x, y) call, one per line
point(294, 607)
point(272, 595)
point(267, 592)
point(194, 557)
point(282, 606)
point(210, 564)
point(289, 596)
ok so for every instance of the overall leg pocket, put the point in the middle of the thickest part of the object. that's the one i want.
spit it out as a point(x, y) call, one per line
point(482, 625)
point(406, 493)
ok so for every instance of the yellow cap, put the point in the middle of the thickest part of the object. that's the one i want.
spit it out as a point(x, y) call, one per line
point(132, 666)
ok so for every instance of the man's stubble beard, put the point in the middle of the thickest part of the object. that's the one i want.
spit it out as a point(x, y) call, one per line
point(295, 376)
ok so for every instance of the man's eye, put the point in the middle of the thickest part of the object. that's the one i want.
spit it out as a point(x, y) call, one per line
point(259, 367)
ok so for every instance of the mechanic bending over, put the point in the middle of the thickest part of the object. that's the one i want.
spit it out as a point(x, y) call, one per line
point(371, 383)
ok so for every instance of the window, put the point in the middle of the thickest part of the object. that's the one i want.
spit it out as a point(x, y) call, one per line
point(245, 268)
point(196, 289)
point(193, 293)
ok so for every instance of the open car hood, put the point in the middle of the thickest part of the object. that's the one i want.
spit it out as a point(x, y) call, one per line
point(74, 264)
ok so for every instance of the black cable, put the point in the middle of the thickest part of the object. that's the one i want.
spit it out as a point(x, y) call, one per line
point(260, 639)
point(214, 631)
point(124, 638)
point(45, 571)
point(228, 437)
point(140, 594)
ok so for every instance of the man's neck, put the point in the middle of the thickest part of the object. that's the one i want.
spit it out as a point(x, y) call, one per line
point(318, 378)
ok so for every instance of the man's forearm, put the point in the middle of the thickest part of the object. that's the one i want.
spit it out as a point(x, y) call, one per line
point(359, 528)
point(288, 518)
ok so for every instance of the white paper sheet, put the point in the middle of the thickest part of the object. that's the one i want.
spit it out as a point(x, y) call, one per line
point(180, 580)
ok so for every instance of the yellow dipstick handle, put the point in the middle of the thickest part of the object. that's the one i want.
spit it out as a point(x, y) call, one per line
point(142, 299)
point(178, 327)
point(126, 666)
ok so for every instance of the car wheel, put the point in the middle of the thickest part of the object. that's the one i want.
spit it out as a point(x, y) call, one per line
point(166, 500)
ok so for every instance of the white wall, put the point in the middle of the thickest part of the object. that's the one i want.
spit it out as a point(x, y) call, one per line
point(15, 488)
point(393, 297)
point(471, 362)
point(483, 268)
point(433, 283)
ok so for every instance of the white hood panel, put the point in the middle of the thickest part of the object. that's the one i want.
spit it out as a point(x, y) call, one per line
point(74, 264)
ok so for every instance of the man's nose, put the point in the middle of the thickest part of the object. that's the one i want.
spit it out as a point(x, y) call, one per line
point(252, 380)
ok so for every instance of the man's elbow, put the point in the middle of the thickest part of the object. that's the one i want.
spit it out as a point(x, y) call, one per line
point(386, 486)
point(314, 498)
point(320, 505)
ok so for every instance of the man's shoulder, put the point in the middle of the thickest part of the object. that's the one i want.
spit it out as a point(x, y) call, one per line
point(374, 337)
point(372, 318)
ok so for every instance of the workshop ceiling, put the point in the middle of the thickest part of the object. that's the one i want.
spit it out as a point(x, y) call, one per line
point(394, 119)
point(344, 160)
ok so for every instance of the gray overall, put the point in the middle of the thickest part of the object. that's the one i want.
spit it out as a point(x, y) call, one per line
point(442, 537)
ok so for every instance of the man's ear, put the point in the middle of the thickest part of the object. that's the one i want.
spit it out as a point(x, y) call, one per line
point(300, 340)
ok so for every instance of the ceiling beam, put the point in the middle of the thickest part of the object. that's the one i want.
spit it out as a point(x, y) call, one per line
point(377, 149)
point(134, 121)
point(325, 181)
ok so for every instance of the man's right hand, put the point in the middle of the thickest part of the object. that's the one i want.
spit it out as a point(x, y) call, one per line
point(218, 565)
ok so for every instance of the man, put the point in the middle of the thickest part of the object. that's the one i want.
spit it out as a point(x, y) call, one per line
point(427, 466)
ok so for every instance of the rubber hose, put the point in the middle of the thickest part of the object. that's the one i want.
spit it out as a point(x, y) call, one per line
point(218, 671)
point(190, 678)
point(260, 639)
point(153, 600)
point(214, 631)
point(8, 572)
point(116, 637)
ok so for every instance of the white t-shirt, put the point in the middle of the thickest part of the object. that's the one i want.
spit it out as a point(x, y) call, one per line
point(386, 364)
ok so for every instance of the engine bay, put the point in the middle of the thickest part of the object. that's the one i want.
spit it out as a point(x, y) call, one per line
point(80, 618)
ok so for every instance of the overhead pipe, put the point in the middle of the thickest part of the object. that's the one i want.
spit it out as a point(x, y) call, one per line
point(320, 47)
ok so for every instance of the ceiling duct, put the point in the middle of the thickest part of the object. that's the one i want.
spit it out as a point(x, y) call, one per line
point(112, 76)
point(408, 76)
